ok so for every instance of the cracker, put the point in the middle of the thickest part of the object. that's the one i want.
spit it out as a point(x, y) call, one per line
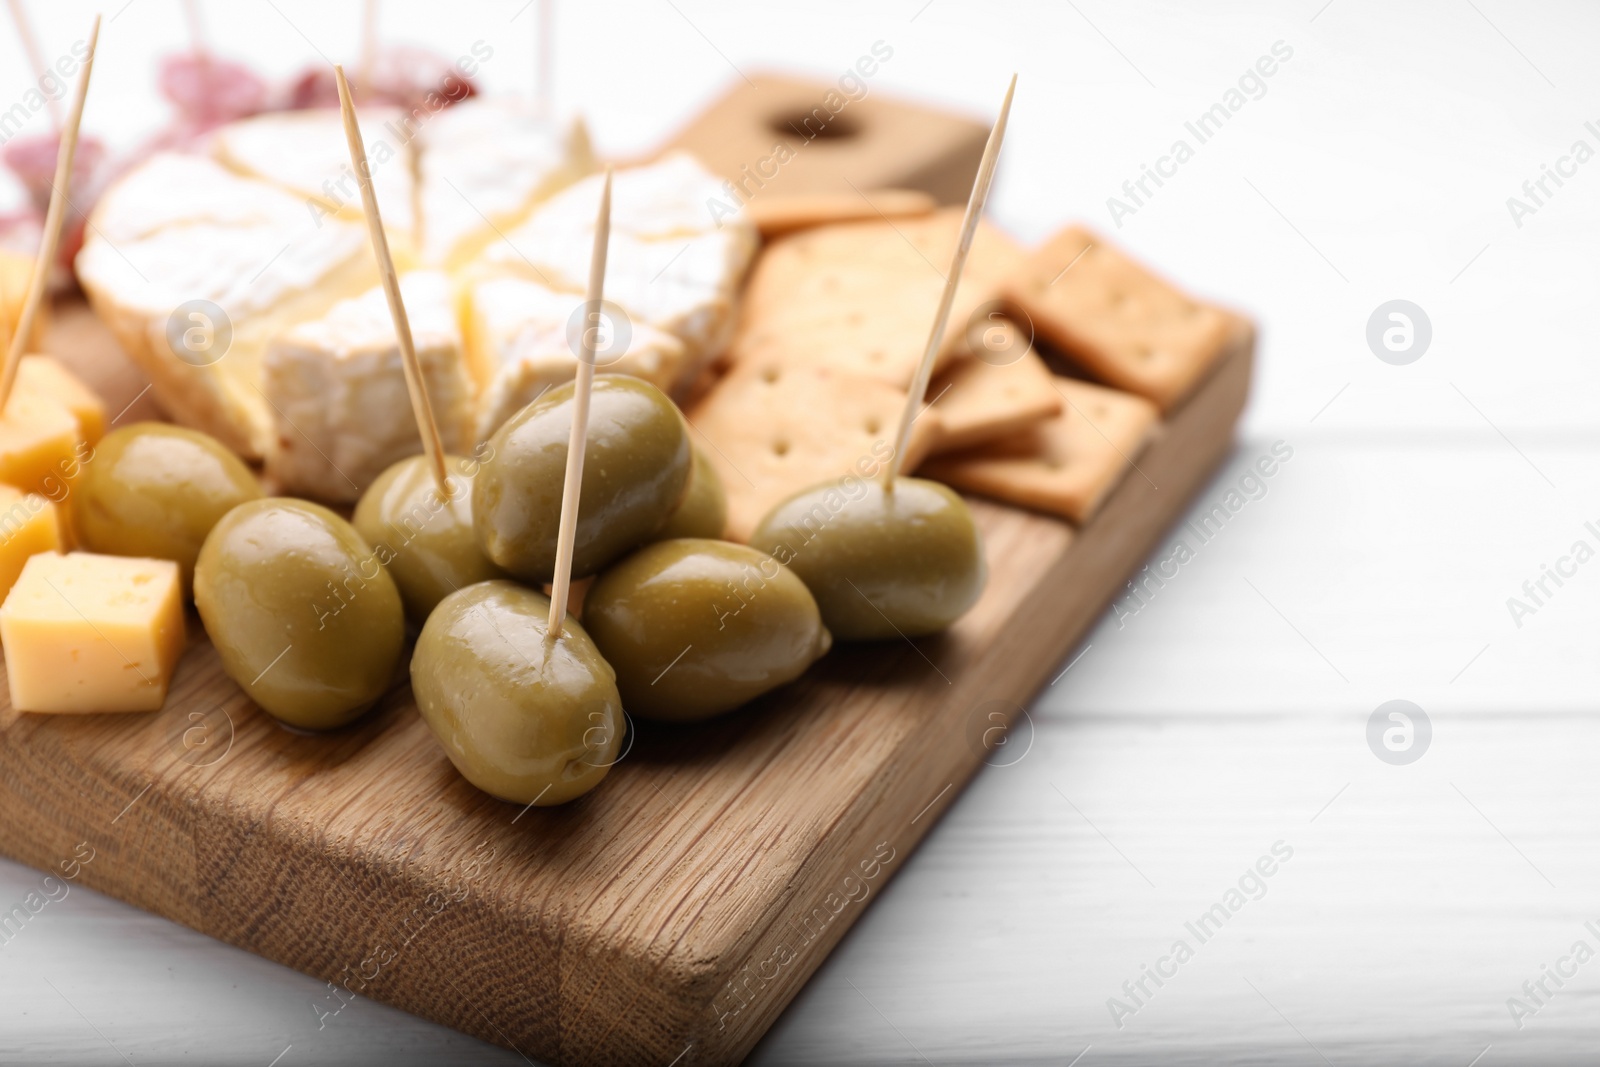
point(772, 430)
point(979, 401)
point(1067, 465)
point(776, 214)
point(861, 296)
point(1120, 323)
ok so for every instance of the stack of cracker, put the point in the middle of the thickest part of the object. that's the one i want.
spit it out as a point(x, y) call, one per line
point(835, 319)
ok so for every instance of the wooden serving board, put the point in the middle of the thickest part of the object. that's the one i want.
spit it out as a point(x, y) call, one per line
point(667, 917)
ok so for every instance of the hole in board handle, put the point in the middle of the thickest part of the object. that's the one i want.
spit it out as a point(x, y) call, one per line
point(818, 124)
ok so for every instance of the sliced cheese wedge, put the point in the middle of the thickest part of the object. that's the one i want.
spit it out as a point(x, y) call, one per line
point(483, 165)
point(672, 265)
point(520, 333)
point(195, 269)
point(337, 388)
point(305, 153)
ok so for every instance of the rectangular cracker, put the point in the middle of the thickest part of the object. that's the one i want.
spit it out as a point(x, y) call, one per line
point(980, 399)
point(777, 214)
point(1119, 322)
point(1066, 465)
point(772, 430)
point(861, 296)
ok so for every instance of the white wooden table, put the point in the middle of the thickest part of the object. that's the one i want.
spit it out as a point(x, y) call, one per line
point(1230, 714)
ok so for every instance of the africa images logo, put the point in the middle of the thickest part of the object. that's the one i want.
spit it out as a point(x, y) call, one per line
point(1399, 732)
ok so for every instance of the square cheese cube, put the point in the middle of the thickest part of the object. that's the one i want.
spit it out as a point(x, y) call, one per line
point(39, 444)
point(16, 274)
point(88, 633)
point(29, 524)
point(47, 377)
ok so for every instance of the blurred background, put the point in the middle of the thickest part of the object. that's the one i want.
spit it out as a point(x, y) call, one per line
point(1395, 153)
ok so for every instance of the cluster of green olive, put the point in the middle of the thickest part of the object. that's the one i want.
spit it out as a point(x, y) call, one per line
point(307, 611)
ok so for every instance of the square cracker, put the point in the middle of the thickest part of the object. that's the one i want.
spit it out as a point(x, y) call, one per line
point(861, 296)
point(1067, 465)
point(771, 430)
point(1120, 323)
point(979, 401)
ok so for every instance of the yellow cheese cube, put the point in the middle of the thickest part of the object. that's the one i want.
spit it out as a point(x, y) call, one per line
point(29, 524)
point(16, 272)
point(47, 377)
point(39, 445)
point(85, 633)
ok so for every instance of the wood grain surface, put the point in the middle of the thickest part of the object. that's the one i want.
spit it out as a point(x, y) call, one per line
point(666, 918)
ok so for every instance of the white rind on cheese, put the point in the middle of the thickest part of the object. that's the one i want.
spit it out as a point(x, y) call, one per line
point(518, 332)
point(341, 412)
point(182, 228)
point(670, 265)
point(660, 200)
point(483, 165)
point(175, 189)
point(306, 153)
point(688, 287)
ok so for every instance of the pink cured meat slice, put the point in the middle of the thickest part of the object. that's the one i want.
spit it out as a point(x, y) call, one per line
point(402, 76)
point(209, 91)
point(33, 160)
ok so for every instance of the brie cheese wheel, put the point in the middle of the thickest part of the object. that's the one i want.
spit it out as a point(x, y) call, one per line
point(671, 264)
point(306, 153)
point(484, 164)
point(195, 269)
point(524, 335)
point(337, 386)
point(242, 280)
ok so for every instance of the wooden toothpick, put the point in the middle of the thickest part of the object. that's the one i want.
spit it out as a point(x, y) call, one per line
point(53, 218)
point(30, 45)
point(5, 302)
point(958, 262)
point(197, 29)
point(545, 49)
point(571, 488)
point(369, 46)
point(421, 406)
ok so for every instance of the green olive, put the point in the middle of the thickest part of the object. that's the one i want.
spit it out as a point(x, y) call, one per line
point(156, 490)
point(696, 627)
point(424, 540)
point(704, 510)
point(882, 563)
point(635, 469)
point(302, 613)
point(522, 718)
